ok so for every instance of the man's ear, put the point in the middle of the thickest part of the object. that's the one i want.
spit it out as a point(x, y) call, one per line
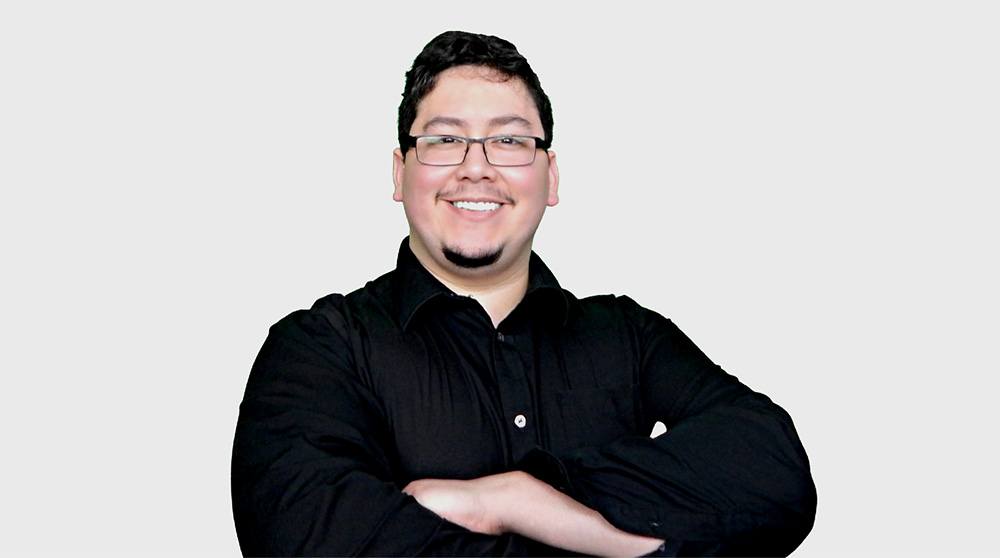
point(398, 165)
point(553, 198)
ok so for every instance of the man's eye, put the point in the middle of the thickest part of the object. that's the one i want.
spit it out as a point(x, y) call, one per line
point(509, 140)
point(442, 139)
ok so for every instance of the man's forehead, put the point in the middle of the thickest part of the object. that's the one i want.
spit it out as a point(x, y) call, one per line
point(472, 95)
point(485, 73)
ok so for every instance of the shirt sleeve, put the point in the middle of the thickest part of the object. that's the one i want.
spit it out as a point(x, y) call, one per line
point(729, 477)
point(311, 471)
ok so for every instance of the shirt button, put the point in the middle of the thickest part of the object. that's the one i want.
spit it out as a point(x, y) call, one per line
point(499, 337)
point(520, 421)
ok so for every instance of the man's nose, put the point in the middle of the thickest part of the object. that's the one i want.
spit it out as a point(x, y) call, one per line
point(476, 167)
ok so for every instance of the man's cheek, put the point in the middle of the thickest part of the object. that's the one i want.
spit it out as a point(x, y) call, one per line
point(426, 177)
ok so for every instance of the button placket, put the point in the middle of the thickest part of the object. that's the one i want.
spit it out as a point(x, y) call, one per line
point(515, 393)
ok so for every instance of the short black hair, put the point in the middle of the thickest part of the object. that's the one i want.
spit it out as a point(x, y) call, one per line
point(459, 48)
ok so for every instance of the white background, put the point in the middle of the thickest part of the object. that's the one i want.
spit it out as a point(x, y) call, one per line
point(807, 190)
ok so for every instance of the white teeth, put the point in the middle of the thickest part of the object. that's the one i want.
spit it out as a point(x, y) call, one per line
point(476, 206)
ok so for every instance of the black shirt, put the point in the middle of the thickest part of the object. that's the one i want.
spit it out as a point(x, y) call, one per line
point(403, 379)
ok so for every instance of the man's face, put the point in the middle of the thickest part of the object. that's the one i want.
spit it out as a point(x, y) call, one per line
point(474, 102)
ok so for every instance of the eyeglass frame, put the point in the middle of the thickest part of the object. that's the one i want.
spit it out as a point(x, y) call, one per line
point(540, 143)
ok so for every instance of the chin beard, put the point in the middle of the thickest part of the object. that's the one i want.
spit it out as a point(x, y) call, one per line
point(472, 262)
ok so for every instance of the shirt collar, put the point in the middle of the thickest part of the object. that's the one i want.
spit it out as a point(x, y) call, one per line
point(413, 286)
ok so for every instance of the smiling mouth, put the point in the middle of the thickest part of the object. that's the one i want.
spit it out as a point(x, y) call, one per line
point(476, 206)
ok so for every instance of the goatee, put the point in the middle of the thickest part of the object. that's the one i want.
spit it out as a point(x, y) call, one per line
point(471, 262)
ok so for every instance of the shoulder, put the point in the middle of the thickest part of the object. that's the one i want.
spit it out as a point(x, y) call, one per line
point(329, 328)
point(338, 313)
point(322, 346)
point(620, 315)
point(610, 308)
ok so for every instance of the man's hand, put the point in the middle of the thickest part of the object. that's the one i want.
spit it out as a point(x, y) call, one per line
point(517, 502)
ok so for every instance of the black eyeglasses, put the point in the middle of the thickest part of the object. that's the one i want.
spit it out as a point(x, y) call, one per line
point(500, 151)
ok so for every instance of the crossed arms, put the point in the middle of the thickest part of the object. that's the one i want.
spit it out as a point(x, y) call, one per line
point(729, 477)
point(517, 502)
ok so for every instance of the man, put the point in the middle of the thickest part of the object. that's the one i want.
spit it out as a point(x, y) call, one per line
point(465, 404)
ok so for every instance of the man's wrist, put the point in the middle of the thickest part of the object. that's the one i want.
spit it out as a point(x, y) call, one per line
point(590, 532)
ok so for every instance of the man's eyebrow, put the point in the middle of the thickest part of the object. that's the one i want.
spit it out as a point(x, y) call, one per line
point(494, 122)
point(444, 121)
point(510, 119)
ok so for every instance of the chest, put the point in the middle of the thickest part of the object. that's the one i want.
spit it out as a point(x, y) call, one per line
point(463, 402)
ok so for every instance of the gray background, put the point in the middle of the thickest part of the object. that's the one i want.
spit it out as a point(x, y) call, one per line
point(807, 189)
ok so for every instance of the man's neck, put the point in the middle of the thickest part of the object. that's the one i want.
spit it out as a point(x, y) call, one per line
point(498, 293)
